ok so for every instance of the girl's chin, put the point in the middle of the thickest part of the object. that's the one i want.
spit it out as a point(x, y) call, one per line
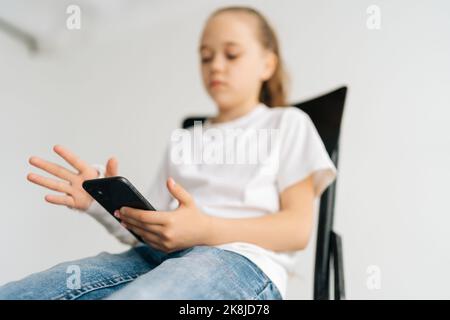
point(222, 100)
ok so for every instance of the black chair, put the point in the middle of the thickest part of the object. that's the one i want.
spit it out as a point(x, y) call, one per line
point(326, 113)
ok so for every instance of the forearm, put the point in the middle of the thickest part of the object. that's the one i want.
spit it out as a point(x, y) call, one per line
point(281, 231)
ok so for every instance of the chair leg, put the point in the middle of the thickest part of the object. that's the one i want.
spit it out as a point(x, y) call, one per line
point(338, 266)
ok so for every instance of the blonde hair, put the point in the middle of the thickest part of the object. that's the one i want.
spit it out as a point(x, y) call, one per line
point(274, 90)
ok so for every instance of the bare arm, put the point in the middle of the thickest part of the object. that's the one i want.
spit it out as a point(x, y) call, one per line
point(285, 230)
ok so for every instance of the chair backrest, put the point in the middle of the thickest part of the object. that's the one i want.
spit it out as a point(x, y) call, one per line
point(189, 122)
point(326, 113)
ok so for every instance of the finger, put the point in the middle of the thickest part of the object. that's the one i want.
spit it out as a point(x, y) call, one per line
point(112, 167)
point(179, 192)
point(71, 158)
point(130, 221)
point(49, 183)
point(145, 216)
point(52, 168)
point(60, 200)
point(154, 228)
point(144, 234)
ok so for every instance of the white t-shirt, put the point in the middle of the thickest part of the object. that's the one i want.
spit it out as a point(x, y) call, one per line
point(222, 187)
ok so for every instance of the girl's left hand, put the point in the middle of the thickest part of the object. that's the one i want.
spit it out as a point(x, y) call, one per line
point(169, 231)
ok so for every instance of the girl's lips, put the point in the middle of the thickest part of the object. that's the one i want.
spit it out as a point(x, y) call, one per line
point(215, 83)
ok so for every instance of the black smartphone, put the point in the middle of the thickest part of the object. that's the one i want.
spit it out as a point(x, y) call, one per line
point(112, 193)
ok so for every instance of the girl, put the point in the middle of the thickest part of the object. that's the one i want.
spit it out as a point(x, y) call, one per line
point(222, 230)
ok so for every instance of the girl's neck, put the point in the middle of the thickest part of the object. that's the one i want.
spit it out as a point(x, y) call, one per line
point(231, 113)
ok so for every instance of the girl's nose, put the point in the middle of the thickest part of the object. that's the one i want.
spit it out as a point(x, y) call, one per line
point(218, 63)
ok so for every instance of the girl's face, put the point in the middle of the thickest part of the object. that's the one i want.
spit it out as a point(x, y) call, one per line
point(233, 62)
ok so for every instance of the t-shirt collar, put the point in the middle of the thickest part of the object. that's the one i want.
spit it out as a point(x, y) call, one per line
point(240, 120)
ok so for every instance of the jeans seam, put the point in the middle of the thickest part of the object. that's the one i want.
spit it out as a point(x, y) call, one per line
point(264, 289)
point(115, 280)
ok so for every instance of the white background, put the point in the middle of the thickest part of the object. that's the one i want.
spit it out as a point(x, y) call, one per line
point(120, 85)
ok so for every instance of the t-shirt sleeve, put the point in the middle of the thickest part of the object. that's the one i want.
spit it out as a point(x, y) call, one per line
point(303, 153)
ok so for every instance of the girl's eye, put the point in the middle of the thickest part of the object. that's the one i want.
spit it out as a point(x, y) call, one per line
point(206, 59)
point(232, 56)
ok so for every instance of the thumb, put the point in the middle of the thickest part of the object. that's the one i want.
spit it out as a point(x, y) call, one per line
point(179, 192)
point(112, 167)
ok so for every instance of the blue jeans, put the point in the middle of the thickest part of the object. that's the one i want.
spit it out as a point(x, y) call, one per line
point(142, 272)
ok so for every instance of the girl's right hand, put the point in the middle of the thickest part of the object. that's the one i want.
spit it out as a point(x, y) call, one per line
point(74, 196)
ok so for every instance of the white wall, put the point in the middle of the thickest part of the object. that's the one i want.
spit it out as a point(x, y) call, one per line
point(130, 75)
